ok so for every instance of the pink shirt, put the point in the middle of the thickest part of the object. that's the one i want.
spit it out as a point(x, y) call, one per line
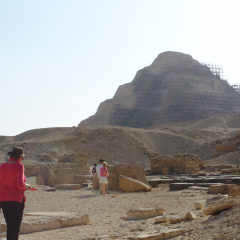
point(12, 181)
point(102, 171)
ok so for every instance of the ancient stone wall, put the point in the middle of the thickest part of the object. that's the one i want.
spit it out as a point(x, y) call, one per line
point(79, 166)
point(181, 164)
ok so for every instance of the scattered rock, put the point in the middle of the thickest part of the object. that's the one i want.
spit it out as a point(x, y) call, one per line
point(142, 213)
point(162, 234)
point(175, 219)
point(199, 205)
point(162, 219)
point(190, 216)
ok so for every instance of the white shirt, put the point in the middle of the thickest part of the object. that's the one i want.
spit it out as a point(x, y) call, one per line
point(99, 166)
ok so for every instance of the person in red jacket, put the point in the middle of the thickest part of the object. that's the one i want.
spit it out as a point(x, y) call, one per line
point(12, 188)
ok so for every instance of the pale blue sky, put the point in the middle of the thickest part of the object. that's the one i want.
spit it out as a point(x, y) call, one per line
point(60, 58)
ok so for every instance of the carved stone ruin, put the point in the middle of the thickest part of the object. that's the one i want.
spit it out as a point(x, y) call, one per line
point(180, 164)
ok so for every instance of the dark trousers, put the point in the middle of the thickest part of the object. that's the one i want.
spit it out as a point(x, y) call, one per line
point(13, 213)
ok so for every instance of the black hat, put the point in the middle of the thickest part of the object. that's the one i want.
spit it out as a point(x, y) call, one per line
point(16, 152)
point(101, 160)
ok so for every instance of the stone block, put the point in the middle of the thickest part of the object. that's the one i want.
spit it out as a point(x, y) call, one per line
point(161, 219)
point(197, 188)
point(234, 191)
point(175, 219)
point(219, 204)
point(154, 182)
point(229, 170)
point(131, 170)
point(212, 168)
point(220, 188)
point(42, 221)
point(190, 216)
point(143, 213)
point(127, 184)
point(164, 233)
point(166, 170)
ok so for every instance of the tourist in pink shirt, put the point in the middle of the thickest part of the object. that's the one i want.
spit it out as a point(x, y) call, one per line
point(12, 188)
point(103, 177)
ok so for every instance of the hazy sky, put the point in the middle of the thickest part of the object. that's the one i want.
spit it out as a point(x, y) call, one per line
point(59, 59)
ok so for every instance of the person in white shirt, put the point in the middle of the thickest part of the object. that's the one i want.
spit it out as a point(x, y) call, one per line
point(99, 166)
point(96, 179)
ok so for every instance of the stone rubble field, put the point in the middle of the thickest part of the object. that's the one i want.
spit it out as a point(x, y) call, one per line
point(158, 214)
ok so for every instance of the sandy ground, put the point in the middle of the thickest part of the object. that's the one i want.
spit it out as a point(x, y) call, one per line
point(106, 212)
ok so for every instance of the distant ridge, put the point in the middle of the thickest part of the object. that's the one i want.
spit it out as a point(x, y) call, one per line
point(174, 88)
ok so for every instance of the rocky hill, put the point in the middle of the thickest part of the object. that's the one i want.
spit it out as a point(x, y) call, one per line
point(123, 144)
point(174, 88)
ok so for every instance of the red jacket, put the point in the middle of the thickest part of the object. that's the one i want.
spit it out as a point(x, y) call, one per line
point(12, 181)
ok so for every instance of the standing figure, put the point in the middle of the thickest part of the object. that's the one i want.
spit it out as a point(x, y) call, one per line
point(103, 178)
point(99, 166)
point(12, 188)
point(95, 184)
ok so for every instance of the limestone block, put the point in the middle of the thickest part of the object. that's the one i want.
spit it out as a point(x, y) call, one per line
point(69, 179)
point(51, 180)
point(190, 216)
point(199, 205)
point(219, 206)
point(166, 170)
point(68, 186)
point(162, 219)
point(32, 224)
point(234, 191)
point(162, 234)
point(43, 176)
point(228, 170)
point(197, 188)
point(69, 221)
point(36, 224)
point(131, 170)
point(220, 188)
point(181, 163)
point(142, 213)
point(212, 168)
point(175, 219)
point(226, 166)
point(154, 182)
point(42, 221)
point(128, 184)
